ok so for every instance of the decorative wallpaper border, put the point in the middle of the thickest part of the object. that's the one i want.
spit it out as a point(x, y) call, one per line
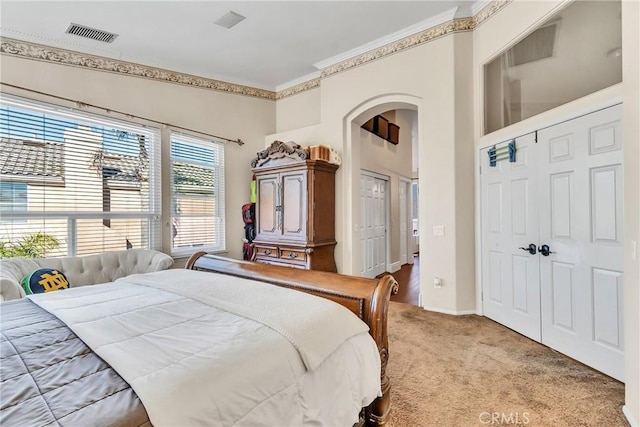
point(301, 87)
point(67, 57)
point(454, 26)
point(417, 39)
point(491, 9)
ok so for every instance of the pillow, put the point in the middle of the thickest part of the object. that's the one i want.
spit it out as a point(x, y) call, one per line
point(44, 280)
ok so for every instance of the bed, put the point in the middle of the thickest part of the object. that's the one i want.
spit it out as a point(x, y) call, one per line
point(158, 349)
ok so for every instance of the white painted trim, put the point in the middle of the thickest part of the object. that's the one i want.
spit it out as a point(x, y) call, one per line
point(627, 413)
point(391, 38)
point(395, 266)
point(409, 220)
point(588, 104)
point(375, 175)
point(478, 5)
point(452, 312)
point(478, 220)
point(297, 81)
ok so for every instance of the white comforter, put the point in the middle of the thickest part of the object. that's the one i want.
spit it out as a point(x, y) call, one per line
point(192, 363)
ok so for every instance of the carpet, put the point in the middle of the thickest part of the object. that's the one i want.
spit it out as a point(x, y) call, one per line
point(470, 371)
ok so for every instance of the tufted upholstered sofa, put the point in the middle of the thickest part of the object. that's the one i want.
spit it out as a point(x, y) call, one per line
point(81, 270)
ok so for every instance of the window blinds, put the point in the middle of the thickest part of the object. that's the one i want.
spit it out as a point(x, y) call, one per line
point(197, 195)
point(81, 182)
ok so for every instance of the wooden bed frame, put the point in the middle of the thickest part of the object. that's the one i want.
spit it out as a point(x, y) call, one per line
point(367, 298)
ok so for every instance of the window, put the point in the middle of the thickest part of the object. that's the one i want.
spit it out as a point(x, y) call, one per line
point(574, 53)
point(89, 182)
point(13, 196)
point(197, 195)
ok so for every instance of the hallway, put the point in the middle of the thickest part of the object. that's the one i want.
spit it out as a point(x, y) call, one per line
point(408, 278)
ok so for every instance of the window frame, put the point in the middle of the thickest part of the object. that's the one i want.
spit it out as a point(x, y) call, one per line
point(217, 164)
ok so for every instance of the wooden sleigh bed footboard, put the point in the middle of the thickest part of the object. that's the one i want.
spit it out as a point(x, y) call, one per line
point(367, 298)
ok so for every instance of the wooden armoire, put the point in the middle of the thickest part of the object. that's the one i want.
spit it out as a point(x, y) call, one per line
point(295, 208)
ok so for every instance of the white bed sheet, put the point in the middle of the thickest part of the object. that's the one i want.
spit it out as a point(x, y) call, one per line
point(194, 365)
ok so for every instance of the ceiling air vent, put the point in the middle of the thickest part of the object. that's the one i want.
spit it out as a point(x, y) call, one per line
point(536, 46)
point(229, 20)
point(91, 33)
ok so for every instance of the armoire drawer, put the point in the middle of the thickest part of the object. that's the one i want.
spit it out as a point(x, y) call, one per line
point(293, 254)
point(266, 251)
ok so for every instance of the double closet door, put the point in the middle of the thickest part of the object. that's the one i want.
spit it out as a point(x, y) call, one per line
point(552, 241)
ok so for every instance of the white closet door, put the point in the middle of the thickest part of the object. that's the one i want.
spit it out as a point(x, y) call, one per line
point(510, 275)
point(373, 243)
point(580, 183)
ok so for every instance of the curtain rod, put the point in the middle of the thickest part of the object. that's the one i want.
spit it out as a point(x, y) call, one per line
point(81, 104)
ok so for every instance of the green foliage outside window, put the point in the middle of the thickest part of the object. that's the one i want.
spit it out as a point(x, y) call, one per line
point(33, 245)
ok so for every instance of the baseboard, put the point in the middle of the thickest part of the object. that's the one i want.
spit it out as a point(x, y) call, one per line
point(453, 312)
point(627, 413)
point(395, 266)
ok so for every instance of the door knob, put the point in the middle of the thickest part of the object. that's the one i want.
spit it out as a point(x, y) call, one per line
point(531, 249)
point(544, 250)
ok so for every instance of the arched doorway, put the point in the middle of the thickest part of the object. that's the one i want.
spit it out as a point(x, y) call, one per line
point(352, 251)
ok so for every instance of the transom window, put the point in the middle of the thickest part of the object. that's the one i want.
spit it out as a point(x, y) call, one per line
point(573, 54)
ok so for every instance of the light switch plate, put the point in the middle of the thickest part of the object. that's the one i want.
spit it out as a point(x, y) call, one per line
point(438, 230)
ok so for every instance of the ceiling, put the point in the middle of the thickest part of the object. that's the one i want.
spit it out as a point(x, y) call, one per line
point(275, 47)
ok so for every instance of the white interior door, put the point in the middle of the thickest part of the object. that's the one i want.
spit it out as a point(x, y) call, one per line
point(564, 195)
point(510, 274)
point(373, 234)
point(581, 281)
point(403, 220)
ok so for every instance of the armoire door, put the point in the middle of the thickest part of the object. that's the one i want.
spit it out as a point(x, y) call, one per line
point(581, 280)
point(267, 209)
point(294, 205)
point(564, 196)
point(510, 273)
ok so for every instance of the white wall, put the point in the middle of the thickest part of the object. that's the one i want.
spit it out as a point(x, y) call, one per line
point(298, 111)
point(218, 113)
point(309, 135)
point(425, 77)
point(428, 78)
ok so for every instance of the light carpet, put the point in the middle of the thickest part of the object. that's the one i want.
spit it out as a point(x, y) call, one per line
point(470, 371)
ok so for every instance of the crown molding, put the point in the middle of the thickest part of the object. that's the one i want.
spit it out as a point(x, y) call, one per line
point(49, 54)
point(488, 11)
point(389, 39)
point(478, 5)
point(452, 21)
point(418, 39)
point(298, 81)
